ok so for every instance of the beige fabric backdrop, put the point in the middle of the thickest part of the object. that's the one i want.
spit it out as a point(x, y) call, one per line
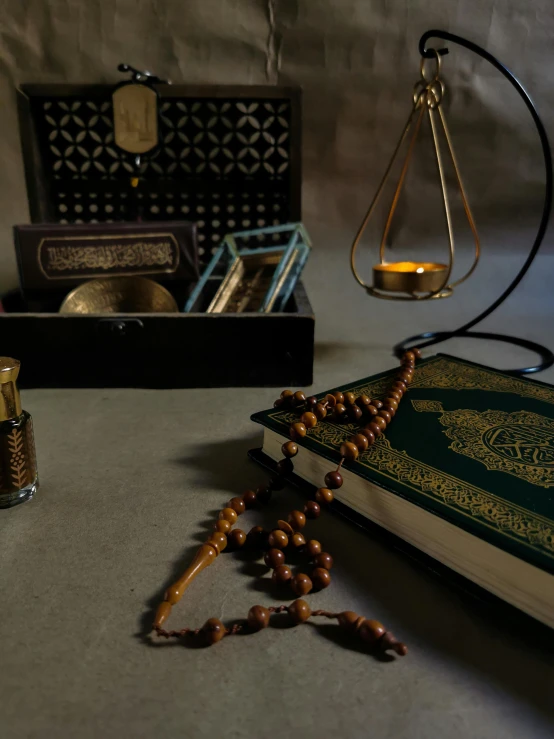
point(356, 60)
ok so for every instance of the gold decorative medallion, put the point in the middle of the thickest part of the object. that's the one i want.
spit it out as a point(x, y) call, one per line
point(135, 118)
point(520, 444)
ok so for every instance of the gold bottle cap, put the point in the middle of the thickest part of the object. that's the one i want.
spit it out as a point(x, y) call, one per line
point(10, 400)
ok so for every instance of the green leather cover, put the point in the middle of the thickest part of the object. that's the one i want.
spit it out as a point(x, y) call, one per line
point(468, 443)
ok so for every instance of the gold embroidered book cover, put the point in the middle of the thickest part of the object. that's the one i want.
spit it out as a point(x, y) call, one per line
point(465, 473)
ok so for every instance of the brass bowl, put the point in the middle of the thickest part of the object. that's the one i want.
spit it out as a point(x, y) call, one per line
point(119, 295)
point(409, 277)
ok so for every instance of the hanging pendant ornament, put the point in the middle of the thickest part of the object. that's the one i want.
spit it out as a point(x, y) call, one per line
point(135, 117)
point(418, 280)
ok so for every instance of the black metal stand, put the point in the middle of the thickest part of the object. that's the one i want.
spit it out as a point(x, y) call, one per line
point(430, 338)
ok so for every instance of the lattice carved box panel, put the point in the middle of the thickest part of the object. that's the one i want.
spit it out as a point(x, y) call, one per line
point(229, 158)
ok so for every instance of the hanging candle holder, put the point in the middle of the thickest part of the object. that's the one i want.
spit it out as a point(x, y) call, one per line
point(426, 280)
point(419, 280)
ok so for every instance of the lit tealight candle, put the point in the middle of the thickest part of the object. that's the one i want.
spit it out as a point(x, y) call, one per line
point(409, 277)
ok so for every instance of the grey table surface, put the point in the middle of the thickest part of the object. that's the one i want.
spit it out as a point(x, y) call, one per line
point(131, 479)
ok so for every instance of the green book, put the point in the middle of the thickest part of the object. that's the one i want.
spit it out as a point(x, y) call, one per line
point(465, 473)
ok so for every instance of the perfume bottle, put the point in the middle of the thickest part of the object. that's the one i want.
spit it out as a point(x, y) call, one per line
point(18, 464)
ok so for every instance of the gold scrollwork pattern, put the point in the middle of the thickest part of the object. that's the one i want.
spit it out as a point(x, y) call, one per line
point(443, 372)
point(499, 514)
point(431, 406)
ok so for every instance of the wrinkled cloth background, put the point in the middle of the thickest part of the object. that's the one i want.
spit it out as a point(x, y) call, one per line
point(357, 63)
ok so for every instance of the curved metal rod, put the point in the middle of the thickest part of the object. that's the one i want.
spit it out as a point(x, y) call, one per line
point(400, 184)
point(465, 203)
point(437, 337)
point(356, 242)
point(448, 217)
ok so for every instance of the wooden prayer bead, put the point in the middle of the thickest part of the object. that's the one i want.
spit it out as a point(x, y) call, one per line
point(339, 412)
point(237, 538)
point(399, 387)
point(349, 399)
point(347, 620)
point(348, 450)
point(372, 410)
point(389, 641)
point(311, 402)
point(263, 494)
point(333, 480)
point(249, 498)
point(309, 419)
point(218, 540)
point(324, 559)
point(330, 400)
point(339, 397)
point(363, 401)
point(389, 409)
point(301, 584)
point(378, 404)
point(278, 403)
point(274, 557)
point(256, 537)
point(405, 376)
point(321, 578)
point(312, 509)
point(297, 520)
point(258, 618)
point(237, 504)
point(285, 466)
point(286, 394)
point(298, 540)
point(320, 411)
point(360, 441)
point(285, 526)
point(384, 415)
point(299, 611)
point(313, 548)
point(416, 352)
point(223, 526)
point(408, 357)
point(392, 402)
point(229, 515)
point(396, 395)
point(324, 496)
point(278, 539)
point(369, 435)
point(213, 631)
point(354, 413)
point(374, 428)
point(371, 631)
point(380, 421)
point(278, 483)
point(164, 609)
point(289, 449)
point(299, 397)
point(297, 431)
point(282, 574)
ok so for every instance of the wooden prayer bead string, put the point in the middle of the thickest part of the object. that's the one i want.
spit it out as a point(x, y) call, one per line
point(381, 415)
point(370, 631)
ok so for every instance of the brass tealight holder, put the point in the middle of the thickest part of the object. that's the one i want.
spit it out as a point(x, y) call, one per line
point(410, 280)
